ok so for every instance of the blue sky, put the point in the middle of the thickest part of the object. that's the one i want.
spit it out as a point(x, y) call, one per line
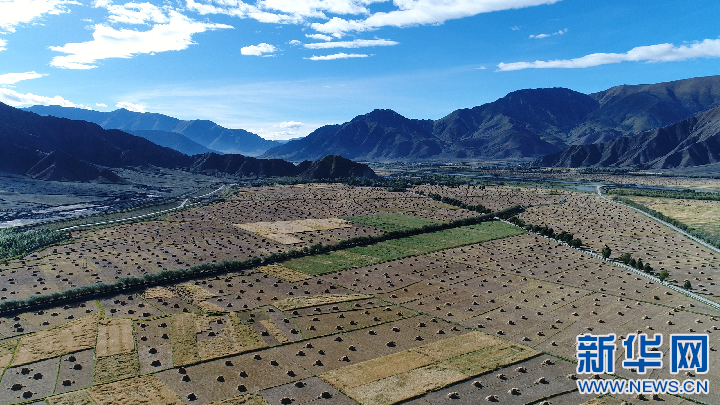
point(282, 68)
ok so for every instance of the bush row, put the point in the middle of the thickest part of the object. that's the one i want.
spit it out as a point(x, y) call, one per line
point(167, 276)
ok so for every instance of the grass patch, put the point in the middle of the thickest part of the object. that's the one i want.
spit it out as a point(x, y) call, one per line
point(393, 221)
point(400, 248)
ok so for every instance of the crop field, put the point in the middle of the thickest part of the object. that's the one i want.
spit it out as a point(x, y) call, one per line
point(699, 214)
point(483, 313)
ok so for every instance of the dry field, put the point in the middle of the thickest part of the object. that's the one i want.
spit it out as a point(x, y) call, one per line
point(489, 321)
point(699, 214)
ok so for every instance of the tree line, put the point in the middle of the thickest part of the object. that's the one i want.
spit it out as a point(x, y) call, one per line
point(172, 276)
point(707, 237)
point(685, 194)
point(544, 230)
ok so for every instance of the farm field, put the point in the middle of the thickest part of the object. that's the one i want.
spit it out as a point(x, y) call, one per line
point(484, 313)
point(699, 214)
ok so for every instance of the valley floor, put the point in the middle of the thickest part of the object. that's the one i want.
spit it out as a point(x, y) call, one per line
point(470, 314)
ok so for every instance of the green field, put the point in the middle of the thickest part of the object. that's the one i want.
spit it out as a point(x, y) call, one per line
point(400, 248)
point(393, 221)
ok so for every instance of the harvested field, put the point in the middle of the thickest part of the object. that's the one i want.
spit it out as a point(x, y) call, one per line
point(7, 349)
point(146, 390)
point(245, 399)
point(71, 398)
point(425, 368)
point(115, 368)
point(395, 321)
point(32, 381)
point(315, 300)
point(115, 336)
point(400, 248)
point(696, 213)
point(283, 273)
point(297, 226)
point(158, 292)
point(184, 347)
point(70, 337)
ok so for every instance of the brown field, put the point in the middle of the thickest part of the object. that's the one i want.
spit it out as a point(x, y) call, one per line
point(135, 391)
point(115, 336)
point(283, 273)
point(71, 337)
point(71, 398)
point(420, 330)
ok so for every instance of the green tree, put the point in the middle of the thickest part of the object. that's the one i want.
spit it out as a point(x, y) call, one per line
point(687, 285)
point(606, 252)
point(625, 258)
point(664, 275)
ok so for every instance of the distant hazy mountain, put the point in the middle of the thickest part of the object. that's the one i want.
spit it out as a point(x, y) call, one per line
point(51, 148)
point(525, 123)
point(206, 133)
point(172, 140)
point(691, 142)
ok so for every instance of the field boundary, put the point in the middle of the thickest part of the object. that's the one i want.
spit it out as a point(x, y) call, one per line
point(172, 276)
point(673, 287)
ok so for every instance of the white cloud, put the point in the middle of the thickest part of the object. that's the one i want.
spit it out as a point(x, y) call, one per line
point(12, 78)
point(17, 12)
point(258, 50)
point(292, 125)
point(237, 8)
point(320, 37)
point(422, 12)
point(515, 28)
point(2, 44)
point(136, 13)
point(481, 68)
point(405, 13)
point(108, 42)
point(295, 42)
point(130, 106)
point(101, 104)
point(16, 99)
point(541, 36)
point(340, 55)
point(709, 48)
point(358, 43)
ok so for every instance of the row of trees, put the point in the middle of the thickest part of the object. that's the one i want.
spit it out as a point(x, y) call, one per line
point(15, 242)
point(173, 276)
point(563, 236)
point(686, 194)
point(708, 237)
point(457, 203)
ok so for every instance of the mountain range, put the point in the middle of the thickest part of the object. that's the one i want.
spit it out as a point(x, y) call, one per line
point(190, 137)
point(51, 148)
point(523, 124)
point(691, 142)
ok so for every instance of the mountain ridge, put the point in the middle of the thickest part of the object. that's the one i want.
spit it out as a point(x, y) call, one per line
point(523, 124)
point(206, 133)
point(60, 149)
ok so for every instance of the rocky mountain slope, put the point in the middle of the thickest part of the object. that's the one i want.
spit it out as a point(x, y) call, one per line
point(523, 124)
point(691, 142)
